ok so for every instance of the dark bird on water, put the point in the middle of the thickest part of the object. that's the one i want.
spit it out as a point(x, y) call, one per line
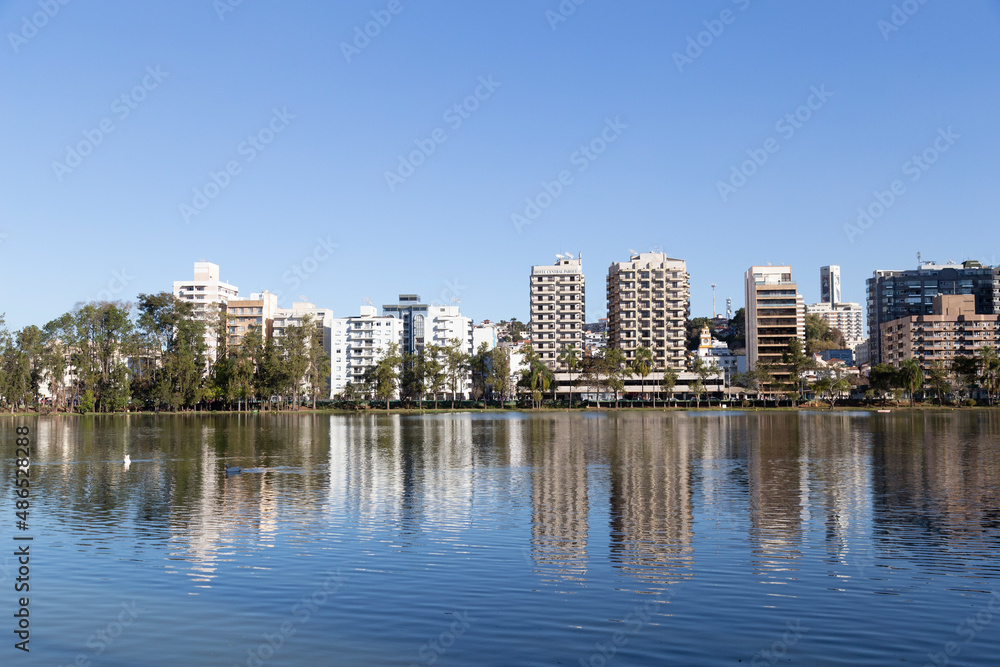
point(230, 470)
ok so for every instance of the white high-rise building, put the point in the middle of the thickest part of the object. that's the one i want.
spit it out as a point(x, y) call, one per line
point(357, 343)
point(208, 294)
point(557, 308)
point(648, 305)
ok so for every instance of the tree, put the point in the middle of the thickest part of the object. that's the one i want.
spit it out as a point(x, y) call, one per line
point(668, 382)
point(834, 384)
point(882, 378)
point(989, 362)
point(479, 365)
point(966, 369)
point(910, 377)
point(570, 356)
point(457, 361)
point(536, 377)
point(382, 378)
point(939, 379)
point(821, 336)
point(498, 377)
point(56, 356)
point(433, 371)
point(642, 365)
point(704, 370)
point(615, 366)
point(103, 333)
point(295, 354)
point(796, 362)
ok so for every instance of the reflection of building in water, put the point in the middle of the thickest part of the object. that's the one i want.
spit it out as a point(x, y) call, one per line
point(558, 496)
point(411, 474)
point(777, 471)
point(651, 508)
point(841, 446)
point(935, 486)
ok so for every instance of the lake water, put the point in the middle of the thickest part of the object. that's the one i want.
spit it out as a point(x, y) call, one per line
point(632, 538)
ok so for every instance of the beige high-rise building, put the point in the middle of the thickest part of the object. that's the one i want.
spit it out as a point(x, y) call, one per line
point(952, 329)
point(775, 314)
point(649, 300)
point(243, 314)
point(557, 308)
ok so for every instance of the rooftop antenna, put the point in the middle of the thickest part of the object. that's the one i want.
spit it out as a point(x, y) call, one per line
point(918, 258)
point(713, 301)
point(729, 308)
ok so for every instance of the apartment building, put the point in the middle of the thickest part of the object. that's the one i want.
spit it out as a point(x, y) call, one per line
point(424, 324)
point(209, 295)
point(243, 314)
point(649, 301)
point(952, 329)
point(775, 314)
point(846, 316)
point(897, 294)
point(357, 343)
point(557, 306)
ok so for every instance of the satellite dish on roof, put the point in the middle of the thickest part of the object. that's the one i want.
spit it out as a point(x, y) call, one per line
point(632, 251)
point(569, 255)
point(558, 256)
point(369, 302)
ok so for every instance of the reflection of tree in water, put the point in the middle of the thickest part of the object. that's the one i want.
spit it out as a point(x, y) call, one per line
point(559, 498)
point(651, 509)
point(935, 486)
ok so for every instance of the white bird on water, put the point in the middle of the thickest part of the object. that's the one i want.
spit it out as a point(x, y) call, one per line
point(128, 460)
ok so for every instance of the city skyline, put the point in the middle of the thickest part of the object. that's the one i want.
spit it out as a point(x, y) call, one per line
point(452, 148)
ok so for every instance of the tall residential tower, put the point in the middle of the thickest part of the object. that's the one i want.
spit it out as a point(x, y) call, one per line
point(557, 308)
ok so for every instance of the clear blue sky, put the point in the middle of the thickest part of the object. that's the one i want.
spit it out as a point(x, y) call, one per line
point(67, 230)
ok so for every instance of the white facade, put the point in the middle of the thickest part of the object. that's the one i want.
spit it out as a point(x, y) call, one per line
point(848, 317)
point(484, 333)
point(207, 293)
point(357, 343)
point(292, 317)
point(557, 306)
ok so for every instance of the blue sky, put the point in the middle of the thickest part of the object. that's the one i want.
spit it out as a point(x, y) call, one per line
point(330, 122)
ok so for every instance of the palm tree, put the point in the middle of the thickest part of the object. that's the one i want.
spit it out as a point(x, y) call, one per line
point(990, 364)
point(911, 376)
point(642, 365)
point(615, 363)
